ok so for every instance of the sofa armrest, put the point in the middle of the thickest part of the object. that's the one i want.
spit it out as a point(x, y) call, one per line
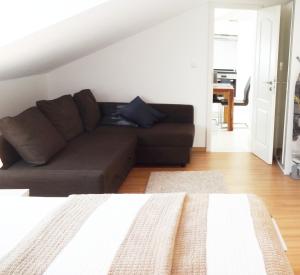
point(58, 183)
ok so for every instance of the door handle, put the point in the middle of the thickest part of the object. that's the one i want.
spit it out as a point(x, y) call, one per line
point(273, 84)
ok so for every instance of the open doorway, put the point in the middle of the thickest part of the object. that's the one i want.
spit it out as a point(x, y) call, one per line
point(233, 63)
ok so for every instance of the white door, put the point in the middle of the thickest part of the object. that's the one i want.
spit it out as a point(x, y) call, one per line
point(265, 77)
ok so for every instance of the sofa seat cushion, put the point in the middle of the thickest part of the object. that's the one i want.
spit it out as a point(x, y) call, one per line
point(64, 115)
point(112, 156)
point(167, 134)
point(89, 151)
point(53, 183)
point(160, 135)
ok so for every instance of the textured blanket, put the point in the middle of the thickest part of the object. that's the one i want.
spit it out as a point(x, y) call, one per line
point(152, 234)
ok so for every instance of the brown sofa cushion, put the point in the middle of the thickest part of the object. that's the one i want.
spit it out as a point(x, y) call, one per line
point(32, 135)
point(63, 114)
point(167, 134)
point(88, 108)
point(8, 154)
point(160, 135)
point(93, 162)
point(91, 151)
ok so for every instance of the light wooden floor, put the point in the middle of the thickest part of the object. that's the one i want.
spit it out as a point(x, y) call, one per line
point(244, 173)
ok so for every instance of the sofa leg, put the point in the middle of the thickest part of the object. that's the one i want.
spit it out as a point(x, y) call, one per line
point(183, 165)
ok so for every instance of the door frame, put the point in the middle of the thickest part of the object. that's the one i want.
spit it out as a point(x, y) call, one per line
point(289, 105)
point(211, 23)
point(292, 78)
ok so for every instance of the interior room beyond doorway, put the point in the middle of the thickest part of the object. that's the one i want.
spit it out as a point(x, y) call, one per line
point(233, 62)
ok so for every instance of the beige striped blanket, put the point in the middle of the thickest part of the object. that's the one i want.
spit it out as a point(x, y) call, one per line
point(152, 234)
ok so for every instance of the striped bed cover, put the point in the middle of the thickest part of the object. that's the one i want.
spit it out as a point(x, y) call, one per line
point(152, 234)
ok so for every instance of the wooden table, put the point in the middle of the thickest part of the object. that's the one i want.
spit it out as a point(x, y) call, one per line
point(227, 91)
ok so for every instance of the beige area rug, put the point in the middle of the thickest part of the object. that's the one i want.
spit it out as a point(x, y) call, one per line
point(187, 181)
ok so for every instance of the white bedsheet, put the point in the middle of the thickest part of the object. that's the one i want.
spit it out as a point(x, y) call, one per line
point(228, 251)
point(19, 215)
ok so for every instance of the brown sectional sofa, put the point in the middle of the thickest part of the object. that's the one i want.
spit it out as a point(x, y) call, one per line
point(99, 161)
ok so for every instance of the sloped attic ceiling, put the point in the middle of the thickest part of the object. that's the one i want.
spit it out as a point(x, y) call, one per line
point(79, 35)
point(98, 23)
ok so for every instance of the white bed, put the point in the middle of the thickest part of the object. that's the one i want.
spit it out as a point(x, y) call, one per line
point(139, 234)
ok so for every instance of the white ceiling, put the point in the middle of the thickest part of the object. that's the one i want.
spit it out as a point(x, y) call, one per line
point(85, 33)
point(34, 15)
point(55, 35)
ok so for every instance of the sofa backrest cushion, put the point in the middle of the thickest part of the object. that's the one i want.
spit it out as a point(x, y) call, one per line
point(63, 114)
point(176, 113)
point(88, 109)
point(141, 113)
point(113, 117)
point(8, 154)
point(32, 135)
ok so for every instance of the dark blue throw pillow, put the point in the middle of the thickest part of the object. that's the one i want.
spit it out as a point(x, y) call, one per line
point(141, 113)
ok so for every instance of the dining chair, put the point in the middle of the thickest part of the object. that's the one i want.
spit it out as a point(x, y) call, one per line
point(218, 116)
point(244, 102)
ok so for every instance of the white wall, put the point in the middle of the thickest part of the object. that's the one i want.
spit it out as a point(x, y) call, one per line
point(245, 65)
point(222, 60)
point(18, 94)
point(164, 64)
